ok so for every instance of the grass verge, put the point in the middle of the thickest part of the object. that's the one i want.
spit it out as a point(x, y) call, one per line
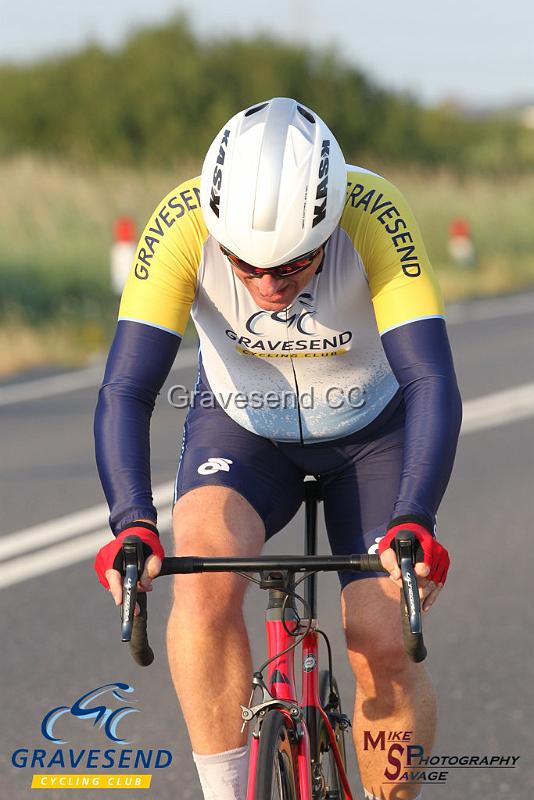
point(56, 235)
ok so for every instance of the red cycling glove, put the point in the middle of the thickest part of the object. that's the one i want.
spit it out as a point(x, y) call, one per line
point(109, 556)
point(434, 554)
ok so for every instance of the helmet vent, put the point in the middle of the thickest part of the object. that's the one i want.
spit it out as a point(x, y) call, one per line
point(271, 163)
point(306, 114)
point(252, 111)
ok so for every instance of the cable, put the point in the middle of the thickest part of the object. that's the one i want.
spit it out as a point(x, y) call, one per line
point(330, 662)
point(298, 640)
point(249, 577)
point(299, 636)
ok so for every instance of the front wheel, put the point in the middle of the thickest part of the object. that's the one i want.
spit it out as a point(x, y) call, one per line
point(276, 770)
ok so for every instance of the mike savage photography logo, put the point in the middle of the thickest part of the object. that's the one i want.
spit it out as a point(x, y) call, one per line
point(108, 709)
point(409, 763)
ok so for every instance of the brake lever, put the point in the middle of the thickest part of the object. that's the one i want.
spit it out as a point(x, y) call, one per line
point(132, 551)
point(405, 542)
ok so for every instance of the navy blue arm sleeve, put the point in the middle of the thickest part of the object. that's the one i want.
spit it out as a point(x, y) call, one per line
point(420, 357)
point(138, 363)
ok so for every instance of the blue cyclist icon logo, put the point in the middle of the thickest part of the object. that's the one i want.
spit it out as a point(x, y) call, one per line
point(84, 709)
point(300, 319)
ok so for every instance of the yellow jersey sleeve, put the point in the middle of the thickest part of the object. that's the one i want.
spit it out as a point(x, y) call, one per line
point(162, 283)
point(384, 232)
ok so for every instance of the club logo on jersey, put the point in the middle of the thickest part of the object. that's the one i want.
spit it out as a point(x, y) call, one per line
point(214, 465)
point(319, 211)
point(298, 319)
point(215, 197)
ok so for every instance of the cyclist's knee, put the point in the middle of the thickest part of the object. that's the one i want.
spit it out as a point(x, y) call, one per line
point(373, 631)
point(213, 521)
point(207, 599)
point(379, 658)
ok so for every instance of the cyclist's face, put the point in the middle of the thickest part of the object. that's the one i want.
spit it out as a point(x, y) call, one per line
point(275, 294)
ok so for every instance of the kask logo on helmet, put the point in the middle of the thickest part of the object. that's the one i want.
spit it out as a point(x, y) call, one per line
point(319, 212)
point(215, 197)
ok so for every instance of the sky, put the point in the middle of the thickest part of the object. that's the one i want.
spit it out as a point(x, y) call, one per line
point(478, 52)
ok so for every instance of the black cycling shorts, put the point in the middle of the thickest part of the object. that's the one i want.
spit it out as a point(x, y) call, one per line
point(359, 475)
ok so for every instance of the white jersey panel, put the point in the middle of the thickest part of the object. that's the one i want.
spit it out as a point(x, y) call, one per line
point(326, 343)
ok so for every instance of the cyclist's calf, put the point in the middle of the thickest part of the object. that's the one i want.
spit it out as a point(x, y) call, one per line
point(392, 692)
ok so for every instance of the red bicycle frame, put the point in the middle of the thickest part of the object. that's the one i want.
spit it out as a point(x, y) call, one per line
point(280, 630)
point(307, 721)
point(281, 685)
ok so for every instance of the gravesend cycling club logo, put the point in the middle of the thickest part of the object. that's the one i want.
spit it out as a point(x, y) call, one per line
point(297, 319)
point(300, 321)
point(108, 710)
point(82, 709)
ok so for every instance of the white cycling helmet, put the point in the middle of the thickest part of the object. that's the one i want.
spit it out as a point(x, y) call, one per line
point(273, 183)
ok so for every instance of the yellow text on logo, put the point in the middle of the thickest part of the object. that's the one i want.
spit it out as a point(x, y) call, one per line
point(97, 781)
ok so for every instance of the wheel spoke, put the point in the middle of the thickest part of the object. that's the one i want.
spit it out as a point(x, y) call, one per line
point(277, 792)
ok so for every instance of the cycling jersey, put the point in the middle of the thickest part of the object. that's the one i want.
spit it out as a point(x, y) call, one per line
point(316, 370)
point(368, 325)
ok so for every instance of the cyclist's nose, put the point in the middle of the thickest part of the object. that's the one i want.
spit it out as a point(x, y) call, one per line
point(269, 285)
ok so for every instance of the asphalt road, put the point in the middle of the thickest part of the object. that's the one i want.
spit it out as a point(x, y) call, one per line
point(60, 633)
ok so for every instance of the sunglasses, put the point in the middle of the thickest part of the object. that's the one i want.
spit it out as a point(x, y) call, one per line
point(282, 271)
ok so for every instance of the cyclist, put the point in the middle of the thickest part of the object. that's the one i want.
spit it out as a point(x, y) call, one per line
point(323, 351)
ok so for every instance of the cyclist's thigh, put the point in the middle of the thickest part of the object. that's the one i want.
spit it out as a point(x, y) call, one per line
point(359, 500)
point(232, 483)
point(216, 520)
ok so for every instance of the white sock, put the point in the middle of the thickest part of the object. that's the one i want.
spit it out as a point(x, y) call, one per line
point(223, 776)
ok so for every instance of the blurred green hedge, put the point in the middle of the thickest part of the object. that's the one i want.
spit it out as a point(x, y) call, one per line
point(165, 93)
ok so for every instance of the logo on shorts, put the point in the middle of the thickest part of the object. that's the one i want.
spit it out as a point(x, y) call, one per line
point(373, 550)
point(214, 465)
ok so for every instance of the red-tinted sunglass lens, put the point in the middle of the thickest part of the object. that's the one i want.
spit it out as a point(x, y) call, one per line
point(282, 271)
point(295, 266)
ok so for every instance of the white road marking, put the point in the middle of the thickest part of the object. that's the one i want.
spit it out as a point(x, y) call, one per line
point(498, 408)
point(48, 387)
point(490, 308)
point(22, 568)
point(69, 526)
point(40, 388)
point(83, 548)
point(53, 558)
point(490, 411)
